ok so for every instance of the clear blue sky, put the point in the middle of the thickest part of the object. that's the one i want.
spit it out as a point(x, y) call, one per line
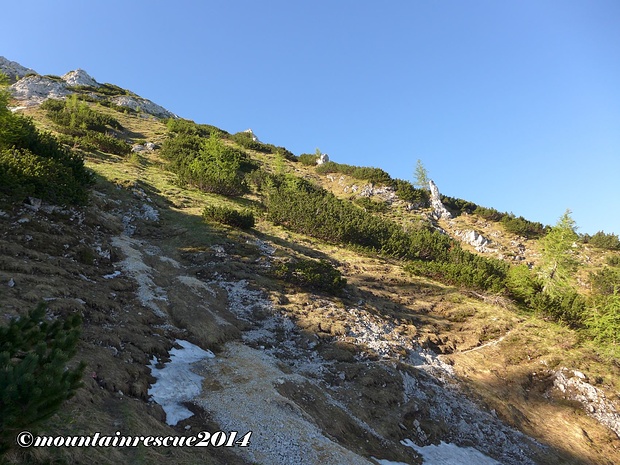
point(512, 105)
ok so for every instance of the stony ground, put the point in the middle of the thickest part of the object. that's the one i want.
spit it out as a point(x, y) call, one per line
point(393, 361)
point(317, 378)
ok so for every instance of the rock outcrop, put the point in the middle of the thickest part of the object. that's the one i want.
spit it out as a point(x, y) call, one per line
point(14, 70)
point(439, 210)
point(323, 158)
point(475, 239)
point(79, 77)
point(34, 89)
point(574, 385)
point(143, 105)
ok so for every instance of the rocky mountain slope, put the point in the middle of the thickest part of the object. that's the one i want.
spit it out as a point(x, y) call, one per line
point(187, 328)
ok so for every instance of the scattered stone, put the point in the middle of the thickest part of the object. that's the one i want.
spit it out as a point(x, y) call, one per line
point(33, 204)
point(11, 282)
point(367, 191)
point(475, 239)
point(219, 251)
point(572, 385)
point(147, 147)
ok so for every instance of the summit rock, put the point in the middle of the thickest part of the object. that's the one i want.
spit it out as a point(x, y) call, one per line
point(79, 77)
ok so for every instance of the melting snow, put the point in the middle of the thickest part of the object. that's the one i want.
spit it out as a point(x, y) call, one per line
point(176, 382)
point(450, 454)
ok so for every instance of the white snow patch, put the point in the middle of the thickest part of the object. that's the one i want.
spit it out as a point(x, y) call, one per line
point(388, 462)
point(450, 454)
point(112, 275)
point(176, 382)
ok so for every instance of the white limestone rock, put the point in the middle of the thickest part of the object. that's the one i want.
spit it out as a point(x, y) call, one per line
point(475, 239)
point(439, 210)
point(14, 70)
point(79, 77)
point(323, 158)
point(33, 90)
point(144, 105)
point(252, 135)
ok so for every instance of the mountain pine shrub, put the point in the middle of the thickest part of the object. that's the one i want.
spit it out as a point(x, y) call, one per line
point(34, 163)
point(207, 163)
point(603, 240)
point(34, 377)
point(229, 216)
point(316, 275)
point(76, 117)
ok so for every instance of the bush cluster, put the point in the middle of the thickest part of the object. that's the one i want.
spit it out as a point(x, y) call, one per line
point(33, 163)
point(111, 90)
point(187, 127)
point(245, 140)
point(602, 240)
point(526, 287)
point(229, 216)
point(408, 193)
point(513, 224)
point(605, 281)
point(603, 323)
point(85, 127)
point(373, 175)
point(370, 205)
point(308, 159)
point(76, 117)
point(312, 274)
point(303, 207)
point(207, 163)
point(613, 260)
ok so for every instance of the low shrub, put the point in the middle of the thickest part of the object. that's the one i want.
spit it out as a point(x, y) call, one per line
point(104, 142)
point(602, 240)
point(208, 164)
point(229, 216)
point(246, 140)
point(76, 117)
point(523, 227)
point(409, 193)
point(23, 173)
point(308, 159)
point(306, 208)
point(363, 173)
point(312, 274)
point(613, 260)
point(35, 163)
point(184, 126)
point(370, 205)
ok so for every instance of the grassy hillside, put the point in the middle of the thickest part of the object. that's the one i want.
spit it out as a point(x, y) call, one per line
point(359, 279)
